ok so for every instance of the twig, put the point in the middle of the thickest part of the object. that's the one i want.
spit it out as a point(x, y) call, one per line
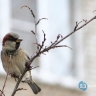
point(35, 67)
point(6, 77)
point(43, 41)
point(76, 30)
point(40, 20)
point(53, 43)
point(19, 89)
point(61, 46)
point(77, 23)
point(19, 80)
point(2, 93)
point(85, 20)
point(51, 46)
point(4, 84)
point(30, 10)
point(34, 22)
point(33, 32)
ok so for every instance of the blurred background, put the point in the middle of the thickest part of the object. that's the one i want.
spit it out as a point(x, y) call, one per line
point(60, 69)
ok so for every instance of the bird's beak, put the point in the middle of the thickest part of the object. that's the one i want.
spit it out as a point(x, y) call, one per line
point(18, 40)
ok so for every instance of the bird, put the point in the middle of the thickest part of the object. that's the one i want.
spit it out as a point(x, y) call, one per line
point(14, 58)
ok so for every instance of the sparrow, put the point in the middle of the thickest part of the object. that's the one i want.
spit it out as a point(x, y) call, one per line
point(14, 59)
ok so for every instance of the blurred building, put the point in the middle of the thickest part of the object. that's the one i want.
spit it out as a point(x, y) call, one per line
point(62, 66)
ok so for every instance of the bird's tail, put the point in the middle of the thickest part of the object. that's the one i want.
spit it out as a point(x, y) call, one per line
point(34, 87)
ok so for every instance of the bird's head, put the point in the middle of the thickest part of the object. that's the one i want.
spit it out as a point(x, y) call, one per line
point(11, 41)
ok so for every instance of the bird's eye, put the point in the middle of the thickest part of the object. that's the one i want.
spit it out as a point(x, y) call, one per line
point(12, 39)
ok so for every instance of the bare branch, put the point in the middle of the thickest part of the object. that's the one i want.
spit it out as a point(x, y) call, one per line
point(34, 22)
point(38, 44)
point(27, 68)
point(35, 67)
point(6, 77)
point(2, 93)
point(19, 89)
point(58, 37)
point(30, 10)
point(55, 44)
point(62, 46)
point(40, 20)
point(19, 80)
point(76, 30)
point(43, 41)
point(42, 50)
point(77, 23)
point(33, 32)
point(4, 83)
point(85, 20)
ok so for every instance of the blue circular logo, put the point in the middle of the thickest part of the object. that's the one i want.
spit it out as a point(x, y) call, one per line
point(82, 85)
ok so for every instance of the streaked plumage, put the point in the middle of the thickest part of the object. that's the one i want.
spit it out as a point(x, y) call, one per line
point(14, 59)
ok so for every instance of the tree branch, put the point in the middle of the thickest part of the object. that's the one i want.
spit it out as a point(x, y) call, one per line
point(19, 80)
point(34, 17)
point(76, 29)
point(42, 49)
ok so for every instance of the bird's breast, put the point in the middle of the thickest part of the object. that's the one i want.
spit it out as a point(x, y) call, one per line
point(12, 64)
